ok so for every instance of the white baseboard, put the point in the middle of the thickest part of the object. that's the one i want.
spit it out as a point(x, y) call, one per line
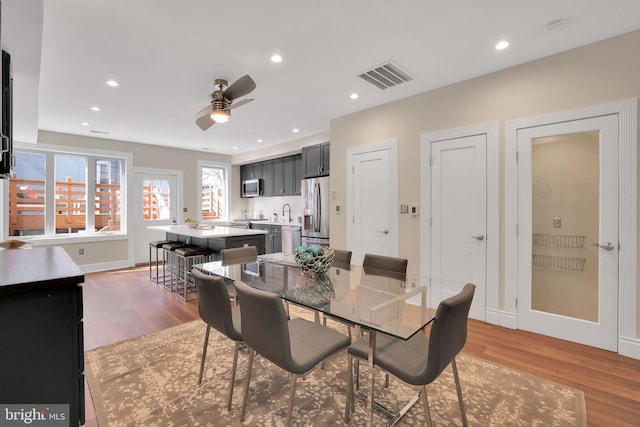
point(103, 266)
point(501, 318)
point(629, 347)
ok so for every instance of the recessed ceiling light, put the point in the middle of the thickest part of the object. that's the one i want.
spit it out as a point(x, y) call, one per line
point(85, 124)
point(296, 130)
point(235, 148)
point(259, 140)
point(276, 58)
point(354, 96)
point(502, 45)
point(112, 83)
point(94, 108)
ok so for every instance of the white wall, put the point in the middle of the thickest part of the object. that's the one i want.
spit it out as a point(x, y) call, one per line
point(602, 72)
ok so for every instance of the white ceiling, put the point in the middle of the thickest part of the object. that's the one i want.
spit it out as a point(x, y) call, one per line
point(166, 54)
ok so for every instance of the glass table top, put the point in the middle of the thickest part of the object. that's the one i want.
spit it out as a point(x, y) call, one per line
point(396, 304)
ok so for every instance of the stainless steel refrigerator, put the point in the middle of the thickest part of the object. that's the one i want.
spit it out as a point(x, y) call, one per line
point(315, 211)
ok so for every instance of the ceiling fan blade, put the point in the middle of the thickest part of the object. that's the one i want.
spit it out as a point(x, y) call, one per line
point(203, 118)
point(240, 87)
point(239, 103)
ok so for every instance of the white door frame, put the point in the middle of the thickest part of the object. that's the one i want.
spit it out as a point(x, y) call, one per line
point(137, 201)
point(392, 147)
point(628, 344)
point(491, 130)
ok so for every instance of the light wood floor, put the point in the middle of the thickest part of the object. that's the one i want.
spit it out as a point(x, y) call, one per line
point(124, 304)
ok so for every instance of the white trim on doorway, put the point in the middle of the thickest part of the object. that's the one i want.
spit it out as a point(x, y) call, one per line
point(628, 344)
point(491, 130)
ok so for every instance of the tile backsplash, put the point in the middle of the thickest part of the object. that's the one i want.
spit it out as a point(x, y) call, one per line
point(271, 205)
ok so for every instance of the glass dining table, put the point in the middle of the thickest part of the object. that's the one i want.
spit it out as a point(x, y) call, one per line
point(375, 300)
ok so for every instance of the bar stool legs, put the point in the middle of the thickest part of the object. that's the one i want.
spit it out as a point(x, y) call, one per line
point(157, 245)
point(186, 257)
point(170, 271)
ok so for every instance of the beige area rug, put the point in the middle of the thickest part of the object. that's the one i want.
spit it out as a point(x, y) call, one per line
point(151, 381)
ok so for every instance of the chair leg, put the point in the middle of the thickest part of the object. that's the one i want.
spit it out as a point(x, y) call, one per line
point(425, 401)
point(350, 393)
point(246, 387)
point(291, 397)
point(459, 390)
point(204, 354)
point(233, 374)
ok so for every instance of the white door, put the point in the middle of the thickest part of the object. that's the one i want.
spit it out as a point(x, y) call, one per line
point(458, 218)
point(156, 204)
point(568, 230)
point(373, 219)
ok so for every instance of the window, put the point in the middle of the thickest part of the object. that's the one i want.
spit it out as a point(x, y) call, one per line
point(156, 195)
point(214, 184)
point(48, 194)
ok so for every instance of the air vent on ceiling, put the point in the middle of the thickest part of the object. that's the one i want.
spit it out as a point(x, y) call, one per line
point(100, 131)
point(385, 76)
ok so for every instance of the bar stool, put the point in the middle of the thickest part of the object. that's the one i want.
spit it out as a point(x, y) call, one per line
point(168, 252)
point(157, 244)
point(186, 257)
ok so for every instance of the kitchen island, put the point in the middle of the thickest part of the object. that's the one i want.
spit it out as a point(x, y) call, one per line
point(216, 239)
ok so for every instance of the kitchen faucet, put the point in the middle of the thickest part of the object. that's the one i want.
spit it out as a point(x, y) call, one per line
point(286, 205)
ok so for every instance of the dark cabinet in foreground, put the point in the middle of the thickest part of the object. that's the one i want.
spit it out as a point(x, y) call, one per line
point(41, 331)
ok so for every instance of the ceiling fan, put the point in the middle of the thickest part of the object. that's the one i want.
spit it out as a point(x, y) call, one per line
point(221, 101)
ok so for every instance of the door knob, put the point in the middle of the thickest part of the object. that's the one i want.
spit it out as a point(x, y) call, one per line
point(607, 246)
point(479, 237)
point(383, 231)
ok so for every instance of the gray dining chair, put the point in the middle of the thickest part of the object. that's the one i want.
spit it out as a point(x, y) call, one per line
point(419, 360)
point(216, 311)
point(234, 255)
point(384, 263)
point(295, 345)
point(342, 256)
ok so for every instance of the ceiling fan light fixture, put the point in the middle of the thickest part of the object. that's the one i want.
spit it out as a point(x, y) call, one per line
point(220, 116)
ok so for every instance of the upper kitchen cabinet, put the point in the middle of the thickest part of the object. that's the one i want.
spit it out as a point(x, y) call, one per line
point(285, 178)
point(315, 160)
point(251, 171)
point(268, 184)
point(280, 177)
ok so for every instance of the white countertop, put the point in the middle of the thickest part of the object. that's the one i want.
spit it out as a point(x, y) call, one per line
point(204, 234)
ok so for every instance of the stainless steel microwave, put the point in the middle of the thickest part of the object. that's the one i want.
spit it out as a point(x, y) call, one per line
point(251, 187)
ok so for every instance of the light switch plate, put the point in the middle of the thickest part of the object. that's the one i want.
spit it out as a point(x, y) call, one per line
point(404, 209)
point(414, 209)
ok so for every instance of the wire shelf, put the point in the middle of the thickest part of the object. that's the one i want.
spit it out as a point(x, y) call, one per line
point(559, 262)
point(558, 240)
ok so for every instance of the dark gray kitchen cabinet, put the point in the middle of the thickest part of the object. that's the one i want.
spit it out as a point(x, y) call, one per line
point(315, 160)
point(251, 171)
point(280, 177)
point(284, 176)
point(273, 240)
point(268, 184)
point(298, 175)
